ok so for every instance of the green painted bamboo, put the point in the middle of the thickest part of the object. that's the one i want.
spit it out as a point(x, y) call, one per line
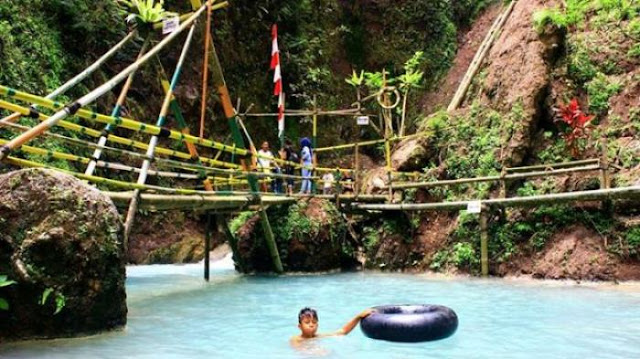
point(115, 139)
point(93, 95)
point(79, 77)
point(115, 112)
point(142, 178)
point(231, 114)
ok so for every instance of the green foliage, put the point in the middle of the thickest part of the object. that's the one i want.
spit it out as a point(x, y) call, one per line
point(240, 220)
point(4, 281)
point(632, 239)
point(355, 80)
point(371, 239)
point(600, 89)
point(145, 11)
point(464, 255)
point(59, 299)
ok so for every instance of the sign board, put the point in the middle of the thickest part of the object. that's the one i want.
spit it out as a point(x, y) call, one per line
point(474, 207)
point(170, 24)
point(363, 120)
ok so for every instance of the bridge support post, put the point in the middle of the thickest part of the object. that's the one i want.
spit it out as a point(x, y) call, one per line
point(605, 182)
point(484, 238)
point(207, 246)
point(230, 114)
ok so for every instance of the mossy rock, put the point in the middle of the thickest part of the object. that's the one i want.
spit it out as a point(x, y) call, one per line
point(59, 235)
point(311, 236)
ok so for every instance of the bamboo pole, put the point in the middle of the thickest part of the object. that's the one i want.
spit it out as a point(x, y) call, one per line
point(110, 182)
point(605, 182)
point(163, 202)
point(231, 114)
point(93, 95)
point(115, 112)
point(207, 246)
point(142, 178)
point(479, 57)
point(182, 125)
point(484, 246)
point(552, 165)
point(356, 177)
point(513, 176)
point(79, 77)
point(593, 195)
point(205, 70)
point(314, 141)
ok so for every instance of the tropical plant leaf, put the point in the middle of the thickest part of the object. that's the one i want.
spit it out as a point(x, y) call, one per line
point(4, 305)
point(45, 295)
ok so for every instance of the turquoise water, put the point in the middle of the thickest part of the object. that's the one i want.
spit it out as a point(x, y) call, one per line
point(174, 314)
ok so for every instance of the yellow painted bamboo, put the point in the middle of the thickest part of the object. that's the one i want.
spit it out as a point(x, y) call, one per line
point(115, 139)
point(121, 121)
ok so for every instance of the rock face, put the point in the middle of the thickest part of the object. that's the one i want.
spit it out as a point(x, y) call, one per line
point(311, 236)
point(62, 237)
point(519, 73)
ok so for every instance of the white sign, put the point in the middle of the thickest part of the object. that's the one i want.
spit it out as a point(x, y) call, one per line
point(170, 24)
point(474, 207)
point(362, 120)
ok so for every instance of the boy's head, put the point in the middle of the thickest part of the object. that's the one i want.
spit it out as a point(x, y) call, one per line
point(308, 322)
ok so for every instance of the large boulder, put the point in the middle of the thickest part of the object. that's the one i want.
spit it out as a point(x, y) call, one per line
point(60, 240)
point(311, 236)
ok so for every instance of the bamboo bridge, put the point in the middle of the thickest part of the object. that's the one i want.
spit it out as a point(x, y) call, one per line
point(231, 186)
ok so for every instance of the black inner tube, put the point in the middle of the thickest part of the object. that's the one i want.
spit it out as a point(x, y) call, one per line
point(410, 323)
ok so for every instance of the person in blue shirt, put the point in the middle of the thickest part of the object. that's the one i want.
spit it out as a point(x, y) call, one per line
point(306, 159)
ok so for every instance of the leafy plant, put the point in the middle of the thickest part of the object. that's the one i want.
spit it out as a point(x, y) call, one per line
point(146, 11)
point(4, 281)
point(60, 299)
point(412, 78)
point(600, 90)
point(578, 125)
point(355, 80)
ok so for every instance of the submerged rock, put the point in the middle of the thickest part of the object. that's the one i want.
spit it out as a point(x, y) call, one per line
point(61, 241)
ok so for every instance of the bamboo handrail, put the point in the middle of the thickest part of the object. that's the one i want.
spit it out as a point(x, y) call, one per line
point(593, 195)
point(512, 176)
point(553, 165)
point(123, 122)
point(113, 138)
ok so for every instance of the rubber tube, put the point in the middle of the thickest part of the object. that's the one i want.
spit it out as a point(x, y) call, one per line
point(410, 323)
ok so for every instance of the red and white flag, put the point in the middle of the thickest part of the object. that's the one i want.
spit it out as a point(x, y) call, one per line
point(277, 78)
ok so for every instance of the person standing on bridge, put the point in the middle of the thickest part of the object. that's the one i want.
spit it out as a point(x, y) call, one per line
point(265, 157)
point(306, 160)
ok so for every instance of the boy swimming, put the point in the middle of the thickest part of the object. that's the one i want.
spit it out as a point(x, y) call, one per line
point(308, 325)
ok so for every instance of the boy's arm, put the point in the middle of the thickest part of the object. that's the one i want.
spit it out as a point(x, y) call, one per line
point(347, 328)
